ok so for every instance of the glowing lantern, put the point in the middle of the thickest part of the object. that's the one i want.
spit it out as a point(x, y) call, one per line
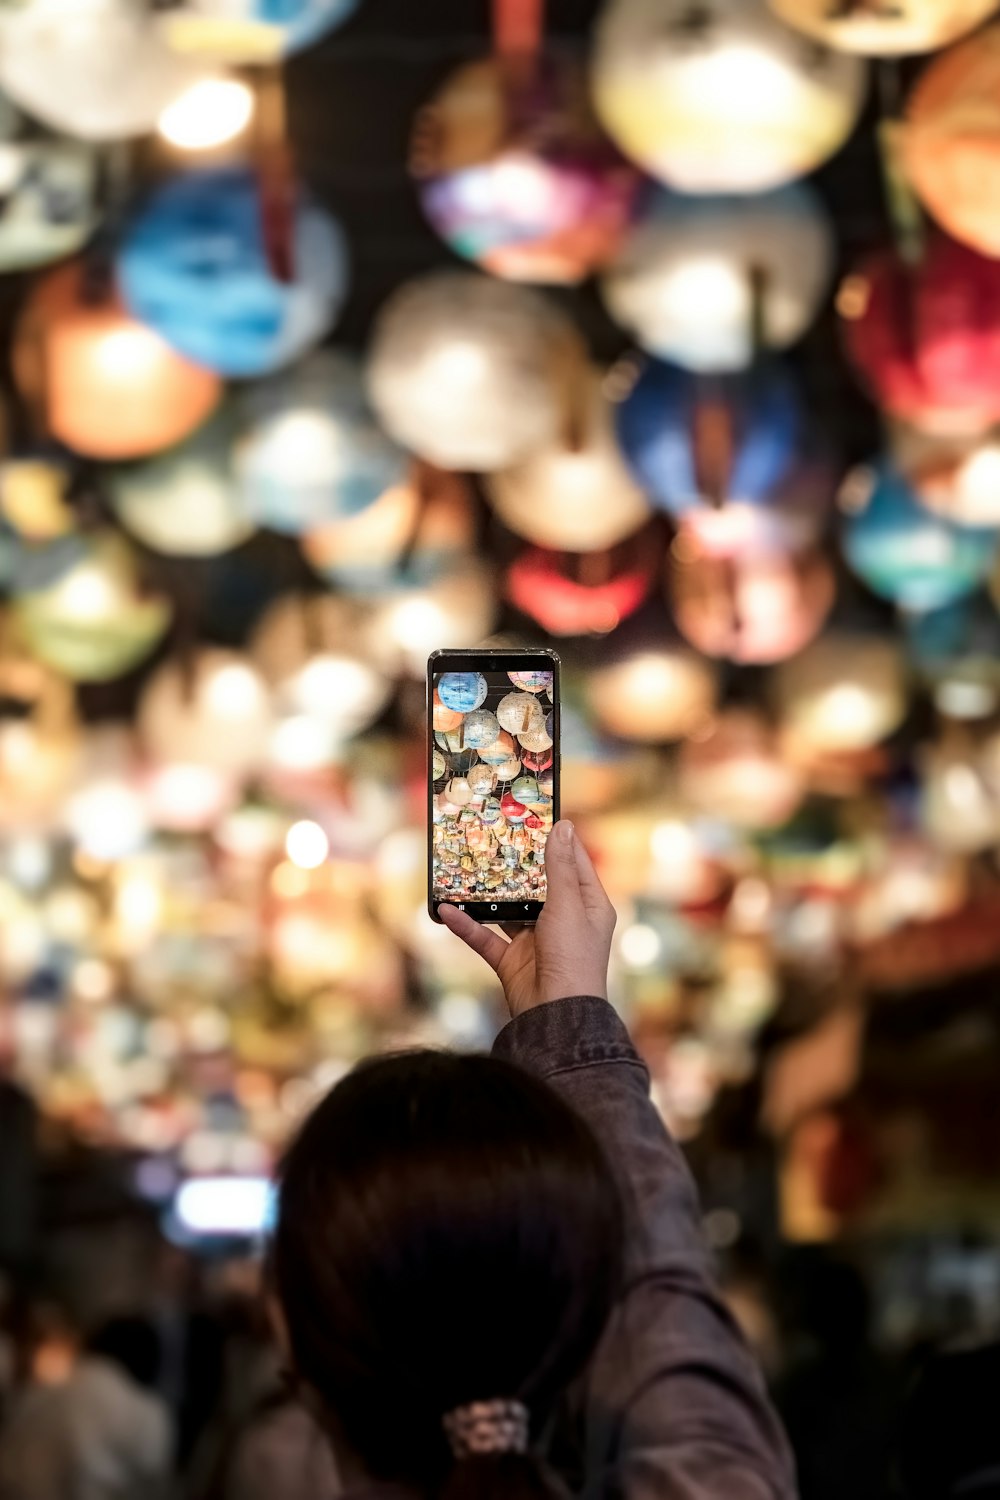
point(458, 607)
point(514, 811)
point(188, 798)
point(655, 694)
point(472, 373)
point(214, 711)
point(34, 498)
point(92, 68)
point(194, 266)
point(681, 86)
point(520, 712)
point(960, 809)
point(687, 280)
point(250, 31)
point(953, 477)
point(185, 503)
point(844, 694)
point(885, 28)
point(93, 623)
point(108, 386)
point(755, 609)
point(307, 650)
point(517, 176)
point(577, 493)
point(904, 552)
point(738, 774)
point(210, 113)
point(481, 729)
point(311, 452)
point(575, 599)
point(48, 199)
point(927, 339)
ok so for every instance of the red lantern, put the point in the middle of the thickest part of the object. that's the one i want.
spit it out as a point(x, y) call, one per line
point(573, 595)
point(513, 811)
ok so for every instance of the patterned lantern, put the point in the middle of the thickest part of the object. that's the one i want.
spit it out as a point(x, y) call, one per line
point(885, 28)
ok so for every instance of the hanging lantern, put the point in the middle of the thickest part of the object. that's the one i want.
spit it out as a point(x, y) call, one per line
point(93, 624)
point(960, 810)
point(905, 553)
point(701, 280)
point(91, 68)
point(885, 28)
point(719, 97)
point(738, 774)
point(34, 498)
point(926, 339)
point(444, 718)
point(577, 493)
point(515, 174)
point(957, 478)
point(842, 695)
point(481, 729)
point(311, 451)
point(580, 597)
point(956, 651)
point(520, 713)
point(459, 607)
point(107, 386)
point(194, 266)
point(462, 691)
point(471, 373)
point(48, 199)
point(482, 780)
point(213, 711)
point(755, 609)
point(250, 31)
point(654, 694)
point(499, 749)
point(185, 502)
point(307, 649)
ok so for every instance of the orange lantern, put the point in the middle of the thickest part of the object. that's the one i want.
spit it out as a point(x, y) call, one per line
point(756, 609)
point(103, 383)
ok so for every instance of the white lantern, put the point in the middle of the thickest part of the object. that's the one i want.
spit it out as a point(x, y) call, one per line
point(960, 809)
point(471, 373)
point(686, 283)
point(459, 608)
point(214, 711)
point(843, 694)
point(660, 693)
point(324, 686)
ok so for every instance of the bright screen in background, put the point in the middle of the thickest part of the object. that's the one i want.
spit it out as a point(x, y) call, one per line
point(240, 1207)
point(493, 773)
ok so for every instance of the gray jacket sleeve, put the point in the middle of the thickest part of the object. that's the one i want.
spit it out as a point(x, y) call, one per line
point(673, 1406)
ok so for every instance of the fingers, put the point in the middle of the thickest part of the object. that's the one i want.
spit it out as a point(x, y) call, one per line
point(561, 874)
point(595, 897)
point(489, 945)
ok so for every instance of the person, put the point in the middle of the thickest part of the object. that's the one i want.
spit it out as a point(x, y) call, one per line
point(489, 1271)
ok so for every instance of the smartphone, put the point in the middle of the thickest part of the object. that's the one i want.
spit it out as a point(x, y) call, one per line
point(492, 780)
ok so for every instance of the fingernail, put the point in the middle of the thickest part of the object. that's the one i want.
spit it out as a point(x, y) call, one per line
point(564, 830)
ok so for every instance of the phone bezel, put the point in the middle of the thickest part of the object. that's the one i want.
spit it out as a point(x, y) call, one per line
point(491, 659)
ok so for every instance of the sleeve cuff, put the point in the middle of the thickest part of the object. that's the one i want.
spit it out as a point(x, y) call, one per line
point(561, 1035)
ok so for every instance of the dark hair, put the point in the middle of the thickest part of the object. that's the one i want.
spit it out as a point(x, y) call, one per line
point(448, 1232)
point(133, 1344)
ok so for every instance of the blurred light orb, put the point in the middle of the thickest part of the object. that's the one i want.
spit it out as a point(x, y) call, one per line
point(738, 774)
point(960, 810)
point(34, 498)
point(106, 819)
point(656, 694)
point(756, 609)
point(309, 652)
point(573, 598)
point(516, 175)
point(459, 607)
point(48, 200)
point(94, 623)
point(98, 69)
point(193, 266)
point(307, 845)
point(109, 387)
point(213, 711)
point(311, 451)
point(885, 28)
point(578, 493)
point(443, 718)
point(185, 503)
point(844, 694)
point(720, 97)
point(250, 31)
point(957, 478)
point(185, 798)
point(208, 114)
point(686, 281)
point(472, 374)
point(909, 555)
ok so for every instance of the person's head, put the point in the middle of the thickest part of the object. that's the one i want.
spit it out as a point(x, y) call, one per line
point(131, 1343)
point(448, 1233)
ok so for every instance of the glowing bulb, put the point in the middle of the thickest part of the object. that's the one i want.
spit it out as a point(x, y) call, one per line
point(640, 946)
point(208, 114)
point(126, 353)
point(233, 692)
point(307, 846)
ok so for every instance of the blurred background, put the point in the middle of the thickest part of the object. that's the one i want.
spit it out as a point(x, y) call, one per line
point(337, 331)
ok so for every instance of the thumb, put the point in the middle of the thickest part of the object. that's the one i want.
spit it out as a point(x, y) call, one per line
point(562, 872)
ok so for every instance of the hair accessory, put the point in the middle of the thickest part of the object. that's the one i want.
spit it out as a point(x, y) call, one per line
point(487, 1427)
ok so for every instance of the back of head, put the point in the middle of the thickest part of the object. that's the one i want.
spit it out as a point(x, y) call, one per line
point(131, 1343)
point(449, 1233)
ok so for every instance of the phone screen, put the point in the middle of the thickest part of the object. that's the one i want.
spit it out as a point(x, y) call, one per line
point(493, 780)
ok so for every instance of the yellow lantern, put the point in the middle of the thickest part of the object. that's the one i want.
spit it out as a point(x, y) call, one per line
point(879, 28)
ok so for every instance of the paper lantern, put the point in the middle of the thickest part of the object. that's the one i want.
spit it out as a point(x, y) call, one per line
point(960, 810)
point(755, 609)
point(471, 373)
point(514, 173)
point(92, 68)
point(519, 713)
point(311, 451)
point(193, 265)
point(737, 773)
point(842, 695)
point(885, 28)
point(458, 791)
point(926, 340)
point(93, 624)
point(443, 717)
point(459, 607)
point(567, 599)
point(699, 279)
point(34, 498)
point(480, 729)
point(213, 711)
point(185, 503)
point(956, 650)
point(905, 553)
point(720, 97)
point(308, 650)
point(957, 478)
point(48, 200)
point(578, 493)
point(462, 691)
point(250, 31)
point(108, 386)
point(657, 693)
point(532, 681)
point(498, 750)
point(482, 779)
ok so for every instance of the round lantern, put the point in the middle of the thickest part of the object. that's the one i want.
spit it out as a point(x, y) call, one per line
point(482, 779)
point(957, 478)
point(462, 691)
point(312, 452)
point(960, 810)
point(472, 373)
point(48, 200)
point(499, 749)
point(307, 649)
point(578, 493)
point(844, 694)
point(720, 97)
point(108, 386)
point(520, 713)
point(655, 694)
point(700, 279)
point(250, 31)
point(214, 711)
point(927, 339)
point(568, 599)
point(515, 174)
point(459, 607)
point(194, 266)
point(93, 623)
point(185, 503)
point(480, 729)
point(692, 441)
point(738, 774)
point(34, 498)
point(885, 28)
point(755, 609)
point(907, 554)
point(92, 68)
point(444, 719)
point(956, 650)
